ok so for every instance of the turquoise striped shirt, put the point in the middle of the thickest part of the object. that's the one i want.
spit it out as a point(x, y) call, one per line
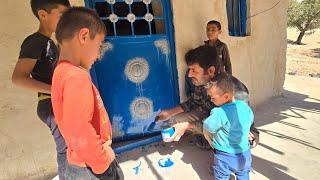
point(230, 126)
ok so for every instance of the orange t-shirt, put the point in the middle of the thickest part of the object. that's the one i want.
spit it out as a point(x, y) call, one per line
point(81, 117)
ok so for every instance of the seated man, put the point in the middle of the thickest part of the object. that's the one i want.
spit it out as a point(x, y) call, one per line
point(203, 65)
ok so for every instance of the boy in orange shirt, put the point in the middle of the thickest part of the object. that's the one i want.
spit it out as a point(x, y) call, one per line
point(78, 107)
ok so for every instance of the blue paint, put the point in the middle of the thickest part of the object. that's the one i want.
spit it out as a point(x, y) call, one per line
point(165, 162)
point(151, 127)
point(137, 169)
point(161, 85)
point(138, 144)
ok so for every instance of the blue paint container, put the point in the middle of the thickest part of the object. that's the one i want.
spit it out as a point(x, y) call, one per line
point(167, 134)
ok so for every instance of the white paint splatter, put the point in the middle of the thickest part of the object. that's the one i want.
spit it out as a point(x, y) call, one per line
point(139, 89)
point(163, 45)
point(117, 126)
point(105, 47)
point(141, 108)
point(137, 70)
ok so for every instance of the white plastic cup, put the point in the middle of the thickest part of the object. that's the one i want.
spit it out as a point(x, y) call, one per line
point(167, 134)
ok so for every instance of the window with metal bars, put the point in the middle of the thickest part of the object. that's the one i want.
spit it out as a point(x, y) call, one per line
point(237, 17)
point(131, 17)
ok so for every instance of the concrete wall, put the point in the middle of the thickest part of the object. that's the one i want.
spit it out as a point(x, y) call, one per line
point(258, 59)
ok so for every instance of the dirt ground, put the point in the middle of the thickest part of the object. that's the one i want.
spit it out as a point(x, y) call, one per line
point(303, 59)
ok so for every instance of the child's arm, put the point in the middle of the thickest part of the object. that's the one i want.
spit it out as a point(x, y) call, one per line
point(76, 124)
point(226, 59)
point(213, 123)
point(21, 76)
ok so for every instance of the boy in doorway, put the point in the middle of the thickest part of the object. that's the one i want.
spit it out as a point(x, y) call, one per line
point(35, 67)
point(227, 130)
point(77, 105)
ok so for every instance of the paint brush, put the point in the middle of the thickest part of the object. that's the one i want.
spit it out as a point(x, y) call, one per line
point(153, 124)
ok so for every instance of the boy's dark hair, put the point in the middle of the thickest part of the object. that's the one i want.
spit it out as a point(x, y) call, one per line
point(205, 56)
point(224, 82)
point(77, 18)
point(214, 22)
point(47, 5)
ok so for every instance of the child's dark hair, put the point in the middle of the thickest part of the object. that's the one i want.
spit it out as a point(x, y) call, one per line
point(47, 5)
point(76, 18)
point(224, 82)
point(214, 22)
point(205, 56)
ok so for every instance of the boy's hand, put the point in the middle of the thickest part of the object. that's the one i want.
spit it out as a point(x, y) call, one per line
point(109, 150)
point(253, 140)
point(208, 136)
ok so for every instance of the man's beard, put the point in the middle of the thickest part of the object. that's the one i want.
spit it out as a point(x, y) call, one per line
point(197, 83)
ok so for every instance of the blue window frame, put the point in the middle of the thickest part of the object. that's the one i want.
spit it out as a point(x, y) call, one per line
point(237, 17)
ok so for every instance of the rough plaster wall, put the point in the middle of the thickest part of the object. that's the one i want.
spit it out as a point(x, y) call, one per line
point(267, 45)
point(16, 22)
point(77, 2)
point(26, 146)
point(258, 60)
point(18, 143)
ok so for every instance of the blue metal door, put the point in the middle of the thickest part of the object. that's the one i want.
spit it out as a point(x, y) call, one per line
point(137, 75)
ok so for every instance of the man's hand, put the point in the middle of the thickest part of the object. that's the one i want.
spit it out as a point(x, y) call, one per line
point(167, 114)
point(164, 115)
point(109, 150)
point(180, 129)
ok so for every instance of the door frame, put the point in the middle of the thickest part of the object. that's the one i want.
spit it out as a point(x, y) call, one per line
point(168, 16)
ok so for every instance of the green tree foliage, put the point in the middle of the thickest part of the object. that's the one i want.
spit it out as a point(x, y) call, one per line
point(305, 16)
